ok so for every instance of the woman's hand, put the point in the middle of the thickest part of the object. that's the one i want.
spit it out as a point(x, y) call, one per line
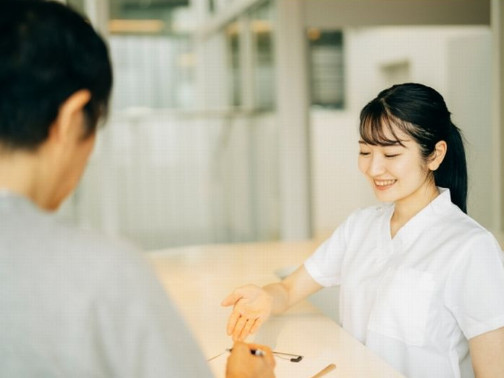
point(252, 306)
point(243, 363)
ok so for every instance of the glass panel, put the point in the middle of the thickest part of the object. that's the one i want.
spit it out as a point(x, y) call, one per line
point(235, 70)
point(262, 21)
point(162, 177)
point(326, 68)
point(152, 72)
point(140, 16)
point(211, 6)
point(152, 54)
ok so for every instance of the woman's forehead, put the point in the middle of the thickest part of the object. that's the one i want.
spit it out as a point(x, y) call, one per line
point(383, 131)
point(394, 132)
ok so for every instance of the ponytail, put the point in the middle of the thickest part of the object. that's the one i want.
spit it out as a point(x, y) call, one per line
point(452, 173)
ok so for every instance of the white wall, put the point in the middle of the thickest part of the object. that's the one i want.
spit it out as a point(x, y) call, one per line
point(338, 188)
point(469, 71)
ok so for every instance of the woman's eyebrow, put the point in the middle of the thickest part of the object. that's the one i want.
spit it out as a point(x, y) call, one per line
point(388, 144)
point(401, 143)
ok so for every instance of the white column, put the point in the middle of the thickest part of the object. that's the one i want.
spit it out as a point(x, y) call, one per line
point(497, 23)
point(292, 101)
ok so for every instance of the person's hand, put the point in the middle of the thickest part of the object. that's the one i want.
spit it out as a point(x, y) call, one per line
point(242, 363)
point(252, 306)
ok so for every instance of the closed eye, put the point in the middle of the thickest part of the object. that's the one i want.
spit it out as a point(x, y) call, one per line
point(391, 155)
point(362, 153)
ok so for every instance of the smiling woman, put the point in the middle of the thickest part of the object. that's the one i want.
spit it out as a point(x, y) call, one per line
point(400, 152)
point(416, 118)
point(418, 277)
point(397, 172)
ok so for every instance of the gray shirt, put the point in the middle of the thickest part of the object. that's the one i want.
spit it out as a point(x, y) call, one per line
point(73, 304)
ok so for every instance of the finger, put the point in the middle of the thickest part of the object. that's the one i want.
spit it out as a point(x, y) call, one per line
point(246, 329)
point(238, 360)
point(233, 319)
point(255, 326)
point(231, 299)
point(239, 346)
point(238, 328)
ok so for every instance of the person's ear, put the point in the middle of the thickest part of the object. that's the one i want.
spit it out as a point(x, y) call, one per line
point(437, 155)
point(69, 119)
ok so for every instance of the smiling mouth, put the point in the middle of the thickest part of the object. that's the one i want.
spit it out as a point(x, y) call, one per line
point(384, 184)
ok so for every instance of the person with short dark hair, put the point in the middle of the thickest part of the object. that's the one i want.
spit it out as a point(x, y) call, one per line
point(72, 303)
point(421, 283)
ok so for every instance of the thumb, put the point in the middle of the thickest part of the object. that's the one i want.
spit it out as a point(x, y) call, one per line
point(231, 299)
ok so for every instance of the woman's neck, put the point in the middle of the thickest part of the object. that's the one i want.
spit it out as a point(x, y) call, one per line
point(407, 208)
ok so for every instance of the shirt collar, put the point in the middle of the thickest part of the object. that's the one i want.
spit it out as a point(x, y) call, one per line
point(421, 221)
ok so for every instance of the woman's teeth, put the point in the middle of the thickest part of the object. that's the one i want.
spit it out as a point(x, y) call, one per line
point(384, 182)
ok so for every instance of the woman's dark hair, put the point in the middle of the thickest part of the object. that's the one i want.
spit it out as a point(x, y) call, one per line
point(47, 53)
point(420, 112)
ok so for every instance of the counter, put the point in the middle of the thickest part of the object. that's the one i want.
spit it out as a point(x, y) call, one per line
point(198, 278)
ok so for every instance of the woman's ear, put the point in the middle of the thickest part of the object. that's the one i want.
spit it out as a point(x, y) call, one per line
point(67, 122)
point(437, 155)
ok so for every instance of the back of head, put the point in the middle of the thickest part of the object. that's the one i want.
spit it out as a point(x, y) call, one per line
point(47, 52)
point(420, 112)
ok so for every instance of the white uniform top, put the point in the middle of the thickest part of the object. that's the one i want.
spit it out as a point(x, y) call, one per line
point(417, 298)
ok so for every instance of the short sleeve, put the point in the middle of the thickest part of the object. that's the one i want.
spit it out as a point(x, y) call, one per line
point(324, 265)
point(475, 287)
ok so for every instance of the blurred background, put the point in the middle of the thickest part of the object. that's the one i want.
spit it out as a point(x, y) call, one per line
point(236, 120)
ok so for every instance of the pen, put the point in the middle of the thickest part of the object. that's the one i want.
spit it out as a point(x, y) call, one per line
point(255, 352)
point(325, 370)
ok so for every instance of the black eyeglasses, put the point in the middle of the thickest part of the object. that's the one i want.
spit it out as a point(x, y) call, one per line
point(288, 356)
point(285, 356)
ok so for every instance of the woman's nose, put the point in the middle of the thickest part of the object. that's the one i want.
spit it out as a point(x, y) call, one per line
point(375, 166)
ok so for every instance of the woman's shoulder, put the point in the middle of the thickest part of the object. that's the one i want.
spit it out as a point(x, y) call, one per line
point(468, 232)
point(463, 223)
